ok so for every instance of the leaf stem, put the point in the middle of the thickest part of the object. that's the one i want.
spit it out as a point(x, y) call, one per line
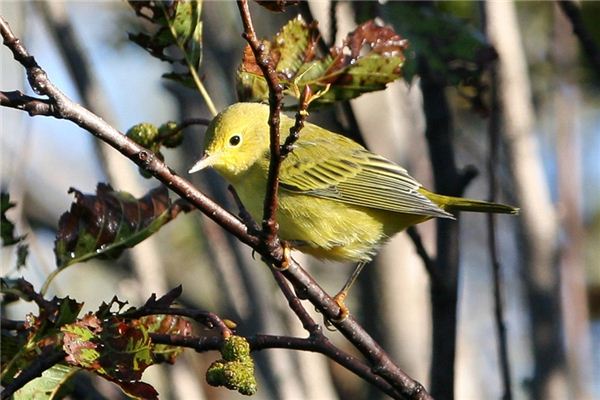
point(192, 68)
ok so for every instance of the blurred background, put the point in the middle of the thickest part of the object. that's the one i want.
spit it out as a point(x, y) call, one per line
point(549, 165)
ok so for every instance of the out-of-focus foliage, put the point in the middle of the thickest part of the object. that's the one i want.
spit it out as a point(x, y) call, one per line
point(449, 50)
point(370, 57)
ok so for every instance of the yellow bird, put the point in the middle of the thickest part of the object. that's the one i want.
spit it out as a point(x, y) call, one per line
point(337, 200)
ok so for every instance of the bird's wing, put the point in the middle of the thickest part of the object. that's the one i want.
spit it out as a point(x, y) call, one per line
point(342, 170)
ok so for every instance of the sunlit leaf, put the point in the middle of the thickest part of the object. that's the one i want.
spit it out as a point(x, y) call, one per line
point(118, 350)
point(48, 386)
point(370, 57)
point(105, 224)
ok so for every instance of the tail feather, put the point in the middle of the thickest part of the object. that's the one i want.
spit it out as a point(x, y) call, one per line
point(450, 203)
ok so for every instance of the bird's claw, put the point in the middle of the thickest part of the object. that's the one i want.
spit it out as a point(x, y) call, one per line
point(344, 311)
point(287, 257)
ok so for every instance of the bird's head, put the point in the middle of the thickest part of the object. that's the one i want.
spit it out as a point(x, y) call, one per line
point(235, 140)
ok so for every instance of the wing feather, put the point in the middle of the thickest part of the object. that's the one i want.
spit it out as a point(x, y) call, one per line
point(340, 169)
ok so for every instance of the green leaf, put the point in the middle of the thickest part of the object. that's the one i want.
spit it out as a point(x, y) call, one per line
point(48, 386)
point(370, 57)
point(7, 228)
point(105, 224)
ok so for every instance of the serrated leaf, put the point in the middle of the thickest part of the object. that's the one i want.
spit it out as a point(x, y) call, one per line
point(370, 57)
point(48, 386)
point(118, 350)
point(105, 224)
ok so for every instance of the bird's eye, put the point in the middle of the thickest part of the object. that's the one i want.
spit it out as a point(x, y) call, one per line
point(235, 140)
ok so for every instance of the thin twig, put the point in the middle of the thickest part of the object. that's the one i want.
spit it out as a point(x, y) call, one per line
point(494, 137)
point(295, 304)
point(429, 262)
point(193, 121)
point(266, 65)
point(208, 319)
point(288, 146)
point(32, 105)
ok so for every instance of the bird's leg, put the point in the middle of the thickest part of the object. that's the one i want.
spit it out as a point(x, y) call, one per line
point(341, 296)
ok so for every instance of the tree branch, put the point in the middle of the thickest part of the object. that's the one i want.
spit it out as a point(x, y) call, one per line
point(32, 105)
point(319, 344)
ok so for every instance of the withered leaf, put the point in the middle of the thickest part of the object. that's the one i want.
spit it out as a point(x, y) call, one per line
point(105, 224)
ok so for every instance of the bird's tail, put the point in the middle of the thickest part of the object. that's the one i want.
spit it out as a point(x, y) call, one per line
point(450, 203)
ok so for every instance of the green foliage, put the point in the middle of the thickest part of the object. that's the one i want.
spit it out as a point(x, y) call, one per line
point(235, 370)
point(48, 386)
point(370, 57)
point(105, 224)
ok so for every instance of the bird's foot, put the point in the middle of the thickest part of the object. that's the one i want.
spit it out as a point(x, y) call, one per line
point(344, 311)
point(287, 257)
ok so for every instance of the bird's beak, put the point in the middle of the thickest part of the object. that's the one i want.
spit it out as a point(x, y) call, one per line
point(207, 160)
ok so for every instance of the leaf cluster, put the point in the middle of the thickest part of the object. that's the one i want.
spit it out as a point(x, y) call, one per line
point(107, 342)
point(369, 58)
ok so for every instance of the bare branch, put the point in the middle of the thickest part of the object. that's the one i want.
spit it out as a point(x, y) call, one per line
point(32, 105)
point(265, 63)
point(261, 342)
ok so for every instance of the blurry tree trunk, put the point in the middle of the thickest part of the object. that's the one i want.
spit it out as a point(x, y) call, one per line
point(572, 269)
point(537, 217)
point(444, 279)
